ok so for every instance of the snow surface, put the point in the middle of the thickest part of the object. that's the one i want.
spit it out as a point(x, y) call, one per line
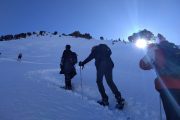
point(30, 90)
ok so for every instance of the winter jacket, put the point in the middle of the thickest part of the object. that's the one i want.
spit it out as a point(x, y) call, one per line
point(101, 57)
point(67, 63)
point(156, 59)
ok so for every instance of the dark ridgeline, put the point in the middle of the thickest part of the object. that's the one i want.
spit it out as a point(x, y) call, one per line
point(42, 33)
point(78, 34)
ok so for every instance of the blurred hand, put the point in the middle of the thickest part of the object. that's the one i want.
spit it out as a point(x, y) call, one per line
point(81, 64)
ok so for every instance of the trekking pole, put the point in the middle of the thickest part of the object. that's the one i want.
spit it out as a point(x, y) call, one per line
point(81, 82)
point(160, 109)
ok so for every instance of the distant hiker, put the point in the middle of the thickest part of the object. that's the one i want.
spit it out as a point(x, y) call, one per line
point(68, 61)
point(104, 66)
point(165, 59)
point(19, 56)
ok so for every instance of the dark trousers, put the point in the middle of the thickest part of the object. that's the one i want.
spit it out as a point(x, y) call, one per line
point(67, 79)
point(171, 103)
point(108, 75)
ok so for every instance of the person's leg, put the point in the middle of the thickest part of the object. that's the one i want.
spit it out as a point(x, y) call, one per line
point(100, 85)
point(68, 81)
point(73, 73)
point(110, 82)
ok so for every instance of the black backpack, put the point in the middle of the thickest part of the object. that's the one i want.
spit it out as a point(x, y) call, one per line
point(70, 58)
point(171, 54)
point(104, 50)
point(74, 58)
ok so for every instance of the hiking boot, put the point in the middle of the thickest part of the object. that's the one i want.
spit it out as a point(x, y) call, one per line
point(103, 102)
point(67, 87)
point(120, 103)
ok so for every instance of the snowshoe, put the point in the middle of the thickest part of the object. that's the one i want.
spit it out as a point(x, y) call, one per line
point(103, 103)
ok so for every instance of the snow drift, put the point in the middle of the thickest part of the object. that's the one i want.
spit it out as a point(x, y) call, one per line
point(30, 90)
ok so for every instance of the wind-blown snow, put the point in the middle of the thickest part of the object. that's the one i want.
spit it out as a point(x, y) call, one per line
point(30, 90)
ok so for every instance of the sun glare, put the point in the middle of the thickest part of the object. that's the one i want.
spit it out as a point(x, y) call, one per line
point(141, 43)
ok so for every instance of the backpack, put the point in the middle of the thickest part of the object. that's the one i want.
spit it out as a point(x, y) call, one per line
point(171, 54)
point(74, 58)
point(68, 61)
point(104, 50)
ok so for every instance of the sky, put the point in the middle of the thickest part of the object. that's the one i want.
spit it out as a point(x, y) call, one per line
point(111, 19)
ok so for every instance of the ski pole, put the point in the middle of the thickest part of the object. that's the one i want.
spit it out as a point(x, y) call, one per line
point(160, 109)
point(81, 81)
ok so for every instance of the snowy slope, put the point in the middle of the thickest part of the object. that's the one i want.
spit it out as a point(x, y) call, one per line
point(30, 90)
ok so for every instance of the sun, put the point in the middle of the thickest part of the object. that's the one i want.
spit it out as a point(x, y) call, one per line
point(141, 43)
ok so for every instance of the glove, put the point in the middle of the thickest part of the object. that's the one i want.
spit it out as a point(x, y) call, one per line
point(81, 64)
point(145, 66)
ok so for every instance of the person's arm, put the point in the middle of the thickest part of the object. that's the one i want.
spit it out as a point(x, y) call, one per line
point(90, 57)
point(109, 52)
point(62, 58)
